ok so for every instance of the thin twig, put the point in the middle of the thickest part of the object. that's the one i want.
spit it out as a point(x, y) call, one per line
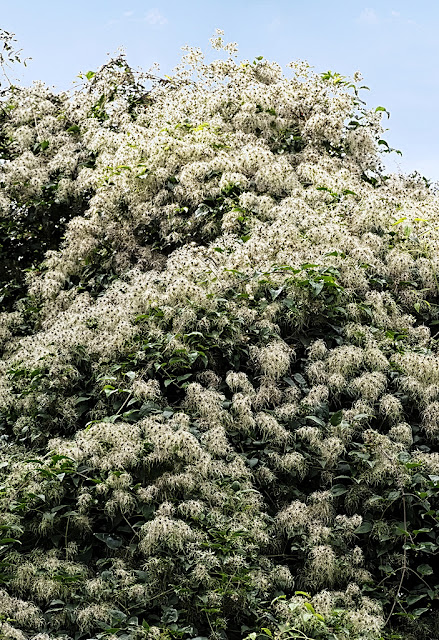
point(404, 563)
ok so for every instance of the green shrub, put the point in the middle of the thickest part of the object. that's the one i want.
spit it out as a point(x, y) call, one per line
point(219, 388)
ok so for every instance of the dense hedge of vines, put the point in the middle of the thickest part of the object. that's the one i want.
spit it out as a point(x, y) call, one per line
point(219, 384)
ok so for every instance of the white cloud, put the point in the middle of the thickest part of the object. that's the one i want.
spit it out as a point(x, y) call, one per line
point(155, 17)
point(152, 17)
point(368, 16)
point(396, 15)
point(274, 25)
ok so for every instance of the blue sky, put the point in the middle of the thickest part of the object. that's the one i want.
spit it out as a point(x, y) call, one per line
point(394, 44)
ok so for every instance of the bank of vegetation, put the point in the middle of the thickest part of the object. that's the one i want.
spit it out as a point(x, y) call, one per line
point(219, 378)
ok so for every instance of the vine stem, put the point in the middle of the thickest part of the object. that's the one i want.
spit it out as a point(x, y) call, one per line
point(404, 562)
point(119, 411)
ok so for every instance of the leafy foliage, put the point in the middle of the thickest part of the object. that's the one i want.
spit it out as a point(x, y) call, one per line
point(219, 390)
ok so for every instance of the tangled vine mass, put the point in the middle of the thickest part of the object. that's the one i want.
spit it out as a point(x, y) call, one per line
point(219, 384)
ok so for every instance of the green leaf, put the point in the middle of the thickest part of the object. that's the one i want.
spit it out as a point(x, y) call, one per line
point(186, 376)
point(300, 379)
point(424, 570)
point(382, 109)
point(419, 612)
point(316, 287)
point(399, 221)
point(90, 74)
point(112, 542)
point(338, 489)
point(169, 615)
point(365, 527)
point(9, 541)
point(316, 420)
point(387, 568)
point(400, 531)
point(290, 303)
point(336, 418)
point(415, 598)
